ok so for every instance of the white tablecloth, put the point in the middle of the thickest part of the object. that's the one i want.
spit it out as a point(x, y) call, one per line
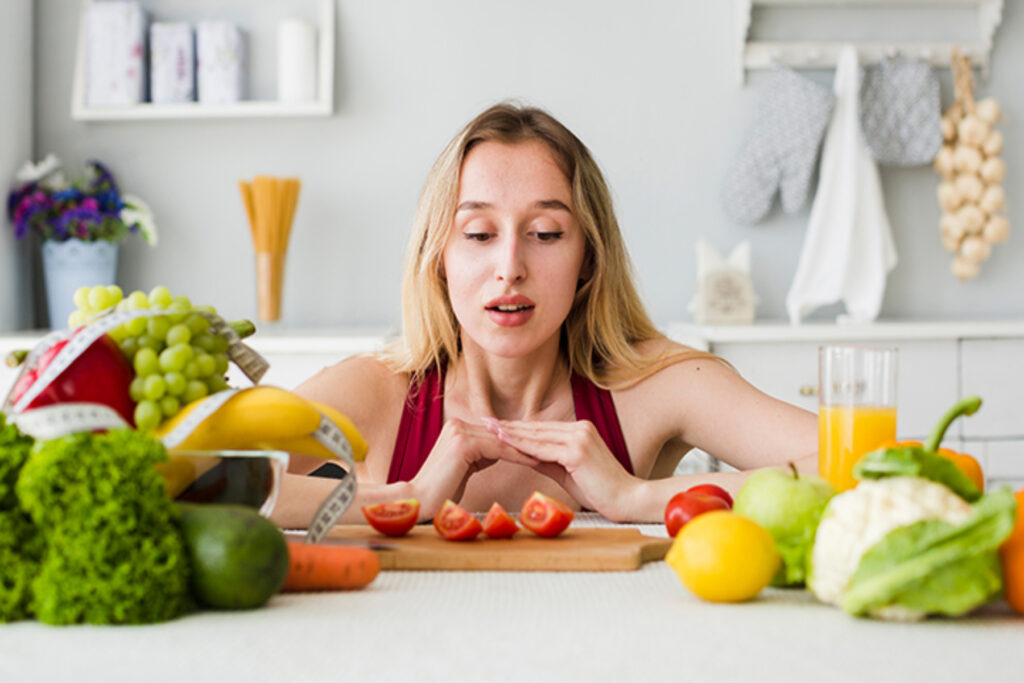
point(522, 626)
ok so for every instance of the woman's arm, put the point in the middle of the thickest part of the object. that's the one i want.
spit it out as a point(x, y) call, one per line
point(699, 402)
point(300, 496)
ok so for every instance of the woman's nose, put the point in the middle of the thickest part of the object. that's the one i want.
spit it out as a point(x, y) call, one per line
point(510, 266)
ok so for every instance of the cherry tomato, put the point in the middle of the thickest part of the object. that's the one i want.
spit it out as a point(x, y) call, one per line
point(498, 524)
point(686, 505)
point(395, 518)
point(455, 523)
point(712, 490)
point(544, 515)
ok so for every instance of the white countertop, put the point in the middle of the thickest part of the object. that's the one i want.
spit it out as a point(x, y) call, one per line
point(515, 626)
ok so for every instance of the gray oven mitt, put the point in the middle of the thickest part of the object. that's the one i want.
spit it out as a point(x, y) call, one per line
point(781, 148)
point(899, 112)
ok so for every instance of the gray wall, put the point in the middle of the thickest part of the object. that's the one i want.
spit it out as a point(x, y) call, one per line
point(15, 149)
point(648, 85)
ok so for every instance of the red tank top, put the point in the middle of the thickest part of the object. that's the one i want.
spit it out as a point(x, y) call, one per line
point(422, 419)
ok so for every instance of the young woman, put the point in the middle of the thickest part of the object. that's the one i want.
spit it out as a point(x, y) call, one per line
point(528, 361)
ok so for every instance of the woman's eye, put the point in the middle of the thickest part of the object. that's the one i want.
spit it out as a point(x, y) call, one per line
point(477, 236)
point(548, 236)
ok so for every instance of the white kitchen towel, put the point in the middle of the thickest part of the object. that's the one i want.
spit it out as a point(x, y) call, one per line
point(848, 250)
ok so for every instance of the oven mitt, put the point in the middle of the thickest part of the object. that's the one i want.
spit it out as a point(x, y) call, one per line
point(781, 148)
point(900, 111)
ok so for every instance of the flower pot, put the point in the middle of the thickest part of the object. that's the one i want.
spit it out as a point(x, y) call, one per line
point(72, 264)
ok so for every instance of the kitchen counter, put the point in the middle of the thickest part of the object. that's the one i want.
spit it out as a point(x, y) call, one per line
point(536, 626)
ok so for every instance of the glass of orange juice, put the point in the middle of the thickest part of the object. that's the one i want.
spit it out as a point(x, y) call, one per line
point(856, 407)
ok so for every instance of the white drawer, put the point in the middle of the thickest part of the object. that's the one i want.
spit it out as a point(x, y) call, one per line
point(994, 370)
point(927, 376)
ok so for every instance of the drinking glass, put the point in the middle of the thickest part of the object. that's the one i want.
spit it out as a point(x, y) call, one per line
point(856, 407)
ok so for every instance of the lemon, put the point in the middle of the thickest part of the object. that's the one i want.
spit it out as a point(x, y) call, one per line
point(723, 557)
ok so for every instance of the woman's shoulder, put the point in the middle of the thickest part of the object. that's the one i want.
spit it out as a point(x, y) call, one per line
point(667, 362)
point(361, 386)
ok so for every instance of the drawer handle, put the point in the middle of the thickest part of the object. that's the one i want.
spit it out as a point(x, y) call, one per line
point(808, 390)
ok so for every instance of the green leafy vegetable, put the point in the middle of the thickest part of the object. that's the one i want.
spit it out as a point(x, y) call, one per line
point(20, 545)
point(916, 462)
point(796, 549)
point(114, 553)
point(934, 567)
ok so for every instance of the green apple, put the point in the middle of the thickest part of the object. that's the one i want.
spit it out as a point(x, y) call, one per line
point(779, 500)
point(789, 506)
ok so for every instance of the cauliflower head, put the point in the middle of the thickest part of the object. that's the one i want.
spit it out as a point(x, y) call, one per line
point(856, 520)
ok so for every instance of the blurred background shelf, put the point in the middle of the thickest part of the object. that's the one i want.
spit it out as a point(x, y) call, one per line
point(974, 21)
point(255, 108)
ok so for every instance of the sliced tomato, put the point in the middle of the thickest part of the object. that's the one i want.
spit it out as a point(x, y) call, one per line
point(455, 523)
point(498, 524)
point(395, 518)
point(545, 516)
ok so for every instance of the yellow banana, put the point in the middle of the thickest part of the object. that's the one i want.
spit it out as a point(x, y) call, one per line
point(257, 415)
point(346, 425)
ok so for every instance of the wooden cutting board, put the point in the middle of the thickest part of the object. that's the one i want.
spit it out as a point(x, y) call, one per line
point(585, 549)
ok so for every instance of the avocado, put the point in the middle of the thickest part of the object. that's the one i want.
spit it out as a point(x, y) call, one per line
point(239, 559)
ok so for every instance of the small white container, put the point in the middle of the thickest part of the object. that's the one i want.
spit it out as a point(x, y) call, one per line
point(296, 61)
point(220, 62)
point(172, 63)
point(115, 54)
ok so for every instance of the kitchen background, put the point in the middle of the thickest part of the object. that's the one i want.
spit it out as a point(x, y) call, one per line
point(650, 86)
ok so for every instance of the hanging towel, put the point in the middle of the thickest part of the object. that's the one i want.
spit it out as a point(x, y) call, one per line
point(848, 250)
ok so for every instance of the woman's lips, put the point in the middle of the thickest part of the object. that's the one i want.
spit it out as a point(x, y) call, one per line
point(509, 314)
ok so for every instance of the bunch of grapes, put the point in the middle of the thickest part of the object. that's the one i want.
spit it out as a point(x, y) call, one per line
point(176, 358)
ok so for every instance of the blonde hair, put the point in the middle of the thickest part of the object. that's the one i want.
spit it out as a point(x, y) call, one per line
point(607, 319)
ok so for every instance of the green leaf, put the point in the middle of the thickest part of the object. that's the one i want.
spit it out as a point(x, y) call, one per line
point(913, 461)
point(796, 550)
point(937, 566)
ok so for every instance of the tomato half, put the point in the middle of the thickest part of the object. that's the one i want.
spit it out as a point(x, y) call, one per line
point(498, 524)
point(545, 516)
point(395, 518)
point(455, 523)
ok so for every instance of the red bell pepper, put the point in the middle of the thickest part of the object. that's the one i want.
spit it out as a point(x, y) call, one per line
point(101, 374)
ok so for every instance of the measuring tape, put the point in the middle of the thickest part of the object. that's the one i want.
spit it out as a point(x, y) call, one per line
point(251, 363)
point(53, 422)
point(328, 434)
point(344, 494)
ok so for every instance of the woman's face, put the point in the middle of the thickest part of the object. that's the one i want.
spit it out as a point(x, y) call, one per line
point(513, 257)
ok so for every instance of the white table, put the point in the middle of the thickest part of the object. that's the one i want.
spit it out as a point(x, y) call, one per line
point(523, 626)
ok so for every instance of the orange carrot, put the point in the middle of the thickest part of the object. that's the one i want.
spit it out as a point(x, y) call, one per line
point(313, 567)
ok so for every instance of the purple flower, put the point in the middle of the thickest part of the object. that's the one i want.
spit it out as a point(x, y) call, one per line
point(88, 208)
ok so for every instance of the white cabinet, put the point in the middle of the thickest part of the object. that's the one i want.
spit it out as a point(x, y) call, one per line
point(938, 364)
point(789, 372)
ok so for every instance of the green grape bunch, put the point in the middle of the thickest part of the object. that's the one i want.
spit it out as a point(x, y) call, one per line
point(177, 359)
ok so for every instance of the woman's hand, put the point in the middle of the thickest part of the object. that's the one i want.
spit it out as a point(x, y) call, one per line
point(575, 456)
point(462, 449)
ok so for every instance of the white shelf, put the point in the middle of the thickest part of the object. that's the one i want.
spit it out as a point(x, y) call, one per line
point(822, 54)
point(147, 111)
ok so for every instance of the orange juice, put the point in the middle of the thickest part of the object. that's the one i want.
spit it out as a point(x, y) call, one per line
point(845, 433)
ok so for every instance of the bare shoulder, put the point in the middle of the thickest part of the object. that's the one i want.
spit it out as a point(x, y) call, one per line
point(691, 379)
point(687, 364)
point(362, 387)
